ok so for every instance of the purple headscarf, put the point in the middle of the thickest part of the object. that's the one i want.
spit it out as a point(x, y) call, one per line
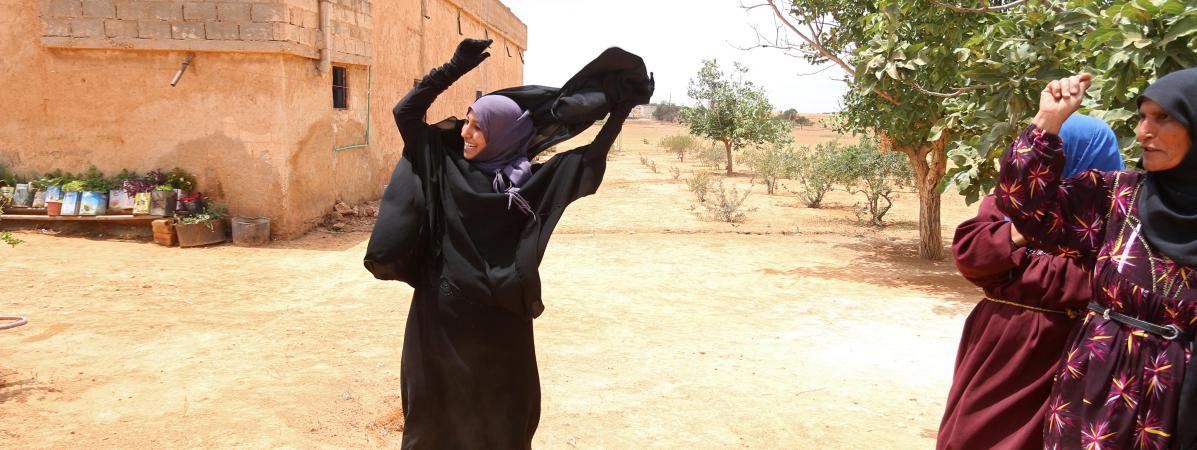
point(509, 131)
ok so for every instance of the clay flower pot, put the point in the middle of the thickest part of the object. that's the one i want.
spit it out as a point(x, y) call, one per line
point(54, 208)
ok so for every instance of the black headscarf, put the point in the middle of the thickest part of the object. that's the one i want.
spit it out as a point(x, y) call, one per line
point(1168, 202)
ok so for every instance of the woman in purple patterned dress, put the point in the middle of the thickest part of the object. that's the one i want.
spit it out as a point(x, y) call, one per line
point(1127, 380)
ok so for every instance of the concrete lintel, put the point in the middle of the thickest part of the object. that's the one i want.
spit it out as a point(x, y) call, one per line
point(289, 48)
point(353, 60)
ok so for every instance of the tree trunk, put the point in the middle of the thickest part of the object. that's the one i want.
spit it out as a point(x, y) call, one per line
point(926, 178)
point(728, 149)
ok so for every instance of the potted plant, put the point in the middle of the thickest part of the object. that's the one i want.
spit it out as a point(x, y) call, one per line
point(71, 193)
point(119, 199)
point(52, 183)
point(93, 201)
point(183, 182)
point(39, 192)
point(22, 196)
point(163, 198)
point(138, 190)
point(203, 228)
point(8, 182)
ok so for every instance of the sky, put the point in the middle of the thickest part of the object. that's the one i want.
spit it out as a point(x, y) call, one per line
point(673, 37)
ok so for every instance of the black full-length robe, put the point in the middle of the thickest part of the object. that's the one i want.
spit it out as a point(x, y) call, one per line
point(469, 376)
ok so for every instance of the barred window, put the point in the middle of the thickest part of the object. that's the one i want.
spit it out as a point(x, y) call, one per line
point(340, 88)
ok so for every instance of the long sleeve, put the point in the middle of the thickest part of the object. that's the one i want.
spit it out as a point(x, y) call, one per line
point(579, 172)
point(982, 247)
point(986, 258)
point(1058, 215)
point(411, 109)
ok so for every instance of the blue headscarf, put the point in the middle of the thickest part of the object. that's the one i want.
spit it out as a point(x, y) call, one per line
point(1089, 143)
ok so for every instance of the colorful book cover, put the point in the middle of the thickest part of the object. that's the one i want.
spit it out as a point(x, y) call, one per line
point(141, 203)
point(118, 200)
point(54, 193)
point(93, 204)
point(70, 203)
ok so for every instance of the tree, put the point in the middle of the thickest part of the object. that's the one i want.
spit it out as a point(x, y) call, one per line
point(667, 112)
point(797, 119)
point(731, 111)
point(1125, 44)
point(862, 38)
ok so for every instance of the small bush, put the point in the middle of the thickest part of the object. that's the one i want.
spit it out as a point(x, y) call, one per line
point(676, 172)
point(713, 156)
point(643, 160)
point(700, 184)
point(771, 163)
point(873, 174)
point(652, 165)
point(678, 145)
point(728, 205)
point(816, 172)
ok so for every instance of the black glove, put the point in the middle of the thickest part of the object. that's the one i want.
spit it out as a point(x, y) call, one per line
point(470, 53)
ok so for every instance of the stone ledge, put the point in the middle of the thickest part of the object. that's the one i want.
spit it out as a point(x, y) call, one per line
point(289, 48)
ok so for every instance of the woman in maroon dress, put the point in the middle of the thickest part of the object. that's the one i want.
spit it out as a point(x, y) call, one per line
point(1127, 379)
point(1013, 339)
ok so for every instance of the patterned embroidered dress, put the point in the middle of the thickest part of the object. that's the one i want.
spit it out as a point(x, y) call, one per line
point(1118, 386)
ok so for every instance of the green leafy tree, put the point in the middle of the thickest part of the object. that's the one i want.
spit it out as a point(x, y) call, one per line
point(862, 38)
point(798, 120)
point(667, 112)
point(938, 79)
point(731, 111)
point(1125, 44)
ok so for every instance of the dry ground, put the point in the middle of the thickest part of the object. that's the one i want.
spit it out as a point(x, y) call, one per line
point(797, 329)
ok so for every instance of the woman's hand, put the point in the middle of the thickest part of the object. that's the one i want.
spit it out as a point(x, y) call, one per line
point(470, 53)
point(1059, 100)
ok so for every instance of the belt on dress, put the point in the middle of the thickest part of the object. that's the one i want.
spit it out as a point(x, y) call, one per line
point(1186, 434)
point(1068, 312)
point(1169, 332)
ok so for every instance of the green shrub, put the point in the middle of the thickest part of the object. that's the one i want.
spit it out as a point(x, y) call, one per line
point(873, 174)
point(771, 164)
point(728, 205)
point(678, 145)
point(700, 184)
point(816, 172)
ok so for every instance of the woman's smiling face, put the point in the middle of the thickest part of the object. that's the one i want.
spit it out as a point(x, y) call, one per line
point(1164, 140)
point(475, 139)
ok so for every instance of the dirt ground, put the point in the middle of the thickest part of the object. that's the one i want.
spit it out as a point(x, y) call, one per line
point(798, 329)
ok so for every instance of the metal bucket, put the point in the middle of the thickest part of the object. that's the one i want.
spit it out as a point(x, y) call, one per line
point(251, 231)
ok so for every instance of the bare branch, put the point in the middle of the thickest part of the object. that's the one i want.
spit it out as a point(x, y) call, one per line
point(817, 71)
point(957, 92)
point(961, 9)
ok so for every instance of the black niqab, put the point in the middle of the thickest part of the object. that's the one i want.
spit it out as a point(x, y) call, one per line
point(1168, 201)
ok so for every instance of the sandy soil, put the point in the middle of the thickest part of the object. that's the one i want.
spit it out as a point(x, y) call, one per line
point(797, 329)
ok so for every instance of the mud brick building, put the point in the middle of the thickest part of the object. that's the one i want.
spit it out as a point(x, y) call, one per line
point(275, 108)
